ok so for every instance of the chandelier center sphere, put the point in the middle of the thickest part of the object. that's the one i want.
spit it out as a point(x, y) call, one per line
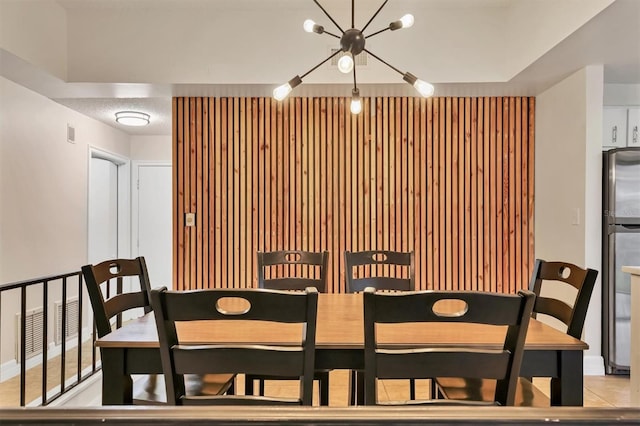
point(352, 41)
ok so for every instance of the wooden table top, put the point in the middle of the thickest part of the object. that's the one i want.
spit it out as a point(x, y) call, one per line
point(340, 326)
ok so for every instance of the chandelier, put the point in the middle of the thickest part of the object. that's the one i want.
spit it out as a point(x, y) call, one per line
point(352, 43)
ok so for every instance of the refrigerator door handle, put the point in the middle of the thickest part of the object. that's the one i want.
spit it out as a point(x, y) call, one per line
point(624, 229)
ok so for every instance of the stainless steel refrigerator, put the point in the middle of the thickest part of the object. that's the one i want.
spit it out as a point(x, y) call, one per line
point(621, 247)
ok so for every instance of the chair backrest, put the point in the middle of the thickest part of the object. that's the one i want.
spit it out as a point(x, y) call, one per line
point(583, 280)
point(275, 306)
point(313, 265)
point(104, 283)
point(471, 362)
point(379, 261)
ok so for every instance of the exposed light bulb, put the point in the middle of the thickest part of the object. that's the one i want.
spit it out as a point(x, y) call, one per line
point(356, 102)
point(407, 20)
point(345, 64)
point(356, 106)
point(308, 25)
point(424, 88)
point(281, 92)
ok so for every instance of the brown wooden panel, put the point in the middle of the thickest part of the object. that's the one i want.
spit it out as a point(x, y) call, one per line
point(449, 178)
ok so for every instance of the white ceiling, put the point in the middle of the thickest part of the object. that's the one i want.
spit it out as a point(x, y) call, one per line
point(137, 54)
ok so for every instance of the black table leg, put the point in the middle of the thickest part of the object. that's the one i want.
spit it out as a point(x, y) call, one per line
point(116, 384)
point(567, 389)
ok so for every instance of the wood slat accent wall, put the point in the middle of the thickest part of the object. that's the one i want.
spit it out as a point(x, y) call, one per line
point(449, 178)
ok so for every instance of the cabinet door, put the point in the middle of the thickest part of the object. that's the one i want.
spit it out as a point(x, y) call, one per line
point(633, 125)
point(614, 128)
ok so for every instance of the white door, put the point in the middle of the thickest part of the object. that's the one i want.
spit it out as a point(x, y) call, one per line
point(103, 210)
point(154, 222)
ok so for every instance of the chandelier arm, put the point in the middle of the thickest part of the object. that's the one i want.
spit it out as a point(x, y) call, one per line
point(375, 14)
point(355, 85)
point(385, 62)
point(316, 67)
point(331, 34)
point(353, 13)
point(377, 32)
point(328, 16)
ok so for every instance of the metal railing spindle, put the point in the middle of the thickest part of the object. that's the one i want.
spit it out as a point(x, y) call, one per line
point(23, 345)
point(63, 350)
point(45, 339)
point(79, 369)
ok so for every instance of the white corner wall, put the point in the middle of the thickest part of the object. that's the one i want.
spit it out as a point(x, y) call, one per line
point(568, 188)
point(535, 27)
point(36, 31)
point(151, 148)
point(622, 94)
point(43, 190)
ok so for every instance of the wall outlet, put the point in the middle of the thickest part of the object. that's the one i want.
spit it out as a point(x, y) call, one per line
point(189, 219)
point(576, 217)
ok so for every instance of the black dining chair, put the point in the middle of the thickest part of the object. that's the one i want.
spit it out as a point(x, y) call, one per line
point(382, 270)
point(221, 305)
point(546, 276)
point(384, 360)
point(292, 270)
point(107, 284)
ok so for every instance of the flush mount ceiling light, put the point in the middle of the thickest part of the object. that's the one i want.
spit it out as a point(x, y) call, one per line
point(132, 118)
point(352, 43)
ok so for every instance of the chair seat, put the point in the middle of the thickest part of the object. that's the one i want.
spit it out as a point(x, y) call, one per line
point(527, 395)
point(151, 390)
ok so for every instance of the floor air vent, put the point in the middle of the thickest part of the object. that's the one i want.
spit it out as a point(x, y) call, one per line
point(71, 327)
point(32, 334)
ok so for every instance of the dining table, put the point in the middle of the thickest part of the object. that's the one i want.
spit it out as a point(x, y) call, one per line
point(549, 352)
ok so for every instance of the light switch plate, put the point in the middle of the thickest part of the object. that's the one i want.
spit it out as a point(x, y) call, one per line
point(190, 219)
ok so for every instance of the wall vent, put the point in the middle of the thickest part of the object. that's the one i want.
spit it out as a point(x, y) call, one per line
point(71, 133)
point(33, 333)
point(71, 329)
point(360, 60)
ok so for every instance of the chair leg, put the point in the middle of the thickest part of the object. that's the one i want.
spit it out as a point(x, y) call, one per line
point(232, 388)
point(435, 391)
point(412, 389)
point(261, 387)
point(360, 387)
point(352, 387)
point(323, 385)
point(248, 385)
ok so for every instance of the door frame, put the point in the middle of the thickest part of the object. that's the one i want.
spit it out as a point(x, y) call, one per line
point(124, 196)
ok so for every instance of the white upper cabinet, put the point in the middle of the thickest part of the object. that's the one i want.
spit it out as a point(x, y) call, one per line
point(620, 127)
point(614, 127)
point(633, 123)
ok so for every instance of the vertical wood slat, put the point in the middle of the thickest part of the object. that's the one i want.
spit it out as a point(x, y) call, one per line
point(449, 178)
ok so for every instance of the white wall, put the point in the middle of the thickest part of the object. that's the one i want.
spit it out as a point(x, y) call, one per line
point(43, 190)
point(622, 94)
point(534, 27)
point(151, 148)
point(568, 189)
point(36, 30)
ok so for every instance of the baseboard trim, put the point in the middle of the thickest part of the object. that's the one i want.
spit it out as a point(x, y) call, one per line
point(593, 365)
point(86, 394)
point(11, 368)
